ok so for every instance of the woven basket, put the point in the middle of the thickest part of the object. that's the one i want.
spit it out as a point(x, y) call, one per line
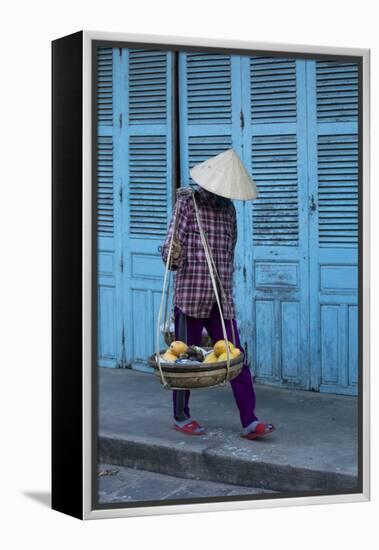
point(196, 375)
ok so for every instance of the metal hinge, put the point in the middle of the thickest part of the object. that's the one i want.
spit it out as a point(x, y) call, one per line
point(122, 264)
point(244, 273)
point(120, 51)
point(120, 194)
point(242, 120)
point(120, 120)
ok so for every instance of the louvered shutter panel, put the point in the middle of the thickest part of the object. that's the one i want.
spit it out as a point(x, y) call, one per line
point(338, 189)
point(149, 144)
point(105, 218)
point(105, 87)
point(148, 185)
point(207, 120)
point(147, 87)
point(273, 90)
point(105, 214)
point(274, 166)
point(209, 89)
point(147, 111)
point(109, 324)
point(337, 91)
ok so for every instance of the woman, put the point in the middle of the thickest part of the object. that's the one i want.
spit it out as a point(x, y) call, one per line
point(220, 179)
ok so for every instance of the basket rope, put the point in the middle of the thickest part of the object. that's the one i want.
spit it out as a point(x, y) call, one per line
point(165, 292)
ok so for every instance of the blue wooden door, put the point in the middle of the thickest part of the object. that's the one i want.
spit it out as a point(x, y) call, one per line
point(333, 196)
point(276, 229)
point(134, 160)
point(109, 218)
point(146, 161)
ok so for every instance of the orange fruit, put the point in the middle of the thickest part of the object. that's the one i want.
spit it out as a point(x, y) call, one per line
point(168, 356)
point(210, 358)
point(220, 347)
point(177, 347)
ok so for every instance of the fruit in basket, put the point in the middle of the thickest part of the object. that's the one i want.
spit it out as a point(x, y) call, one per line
point(233, 354)
point(169, 357)
point(210, 358)
point(193, 353)
point(220, 347)
point(224, 356)
point(177, 348)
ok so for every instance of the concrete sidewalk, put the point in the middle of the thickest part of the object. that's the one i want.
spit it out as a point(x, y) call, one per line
point(315, 446)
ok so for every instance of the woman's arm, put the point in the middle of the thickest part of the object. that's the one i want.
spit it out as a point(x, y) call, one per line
point(178, 253)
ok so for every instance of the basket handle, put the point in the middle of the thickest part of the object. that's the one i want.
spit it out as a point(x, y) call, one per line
point(165, 292)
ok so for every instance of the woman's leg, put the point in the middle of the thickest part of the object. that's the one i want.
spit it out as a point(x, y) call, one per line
point(187, 329)
point(242, 385)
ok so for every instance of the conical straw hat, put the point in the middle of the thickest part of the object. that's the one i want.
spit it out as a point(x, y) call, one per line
point(225, 175)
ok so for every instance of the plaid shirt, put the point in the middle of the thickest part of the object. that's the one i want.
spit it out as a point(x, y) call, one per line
point(193, 290)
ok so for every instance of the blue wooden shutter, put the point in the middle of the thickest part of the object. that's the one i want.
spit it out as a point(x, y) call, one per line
point(276, 286)
point(147, 158)
point(206, 108)
point(333, 150)
point(105, 213)
point(274, 165)
point(273, 95)
point(337, 190)
point(337, 91)
point(108, 223)
point(105, 87)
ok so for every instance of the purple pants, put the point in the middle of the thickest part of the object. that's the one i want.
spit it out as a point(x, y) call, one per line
point(188, 329)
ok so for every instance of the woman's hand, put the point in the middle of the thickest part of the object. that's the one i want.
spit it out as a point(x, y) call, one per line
point(176, 250)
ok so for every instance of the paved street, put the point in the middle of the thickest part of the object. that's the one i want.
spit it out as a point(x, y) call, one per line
point(119, 484)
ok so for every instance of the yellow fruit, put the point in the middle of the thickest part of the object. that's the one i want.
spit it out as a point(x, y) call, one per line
point(220, 347)
point(177, 348)
point(224, 357)
point(236, 352)
point(210, 358)
point(168, 356)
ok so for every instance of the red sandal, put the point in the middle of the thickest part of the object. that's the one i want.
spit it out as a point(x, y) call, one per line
point(191, 428)
point(261, 430)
